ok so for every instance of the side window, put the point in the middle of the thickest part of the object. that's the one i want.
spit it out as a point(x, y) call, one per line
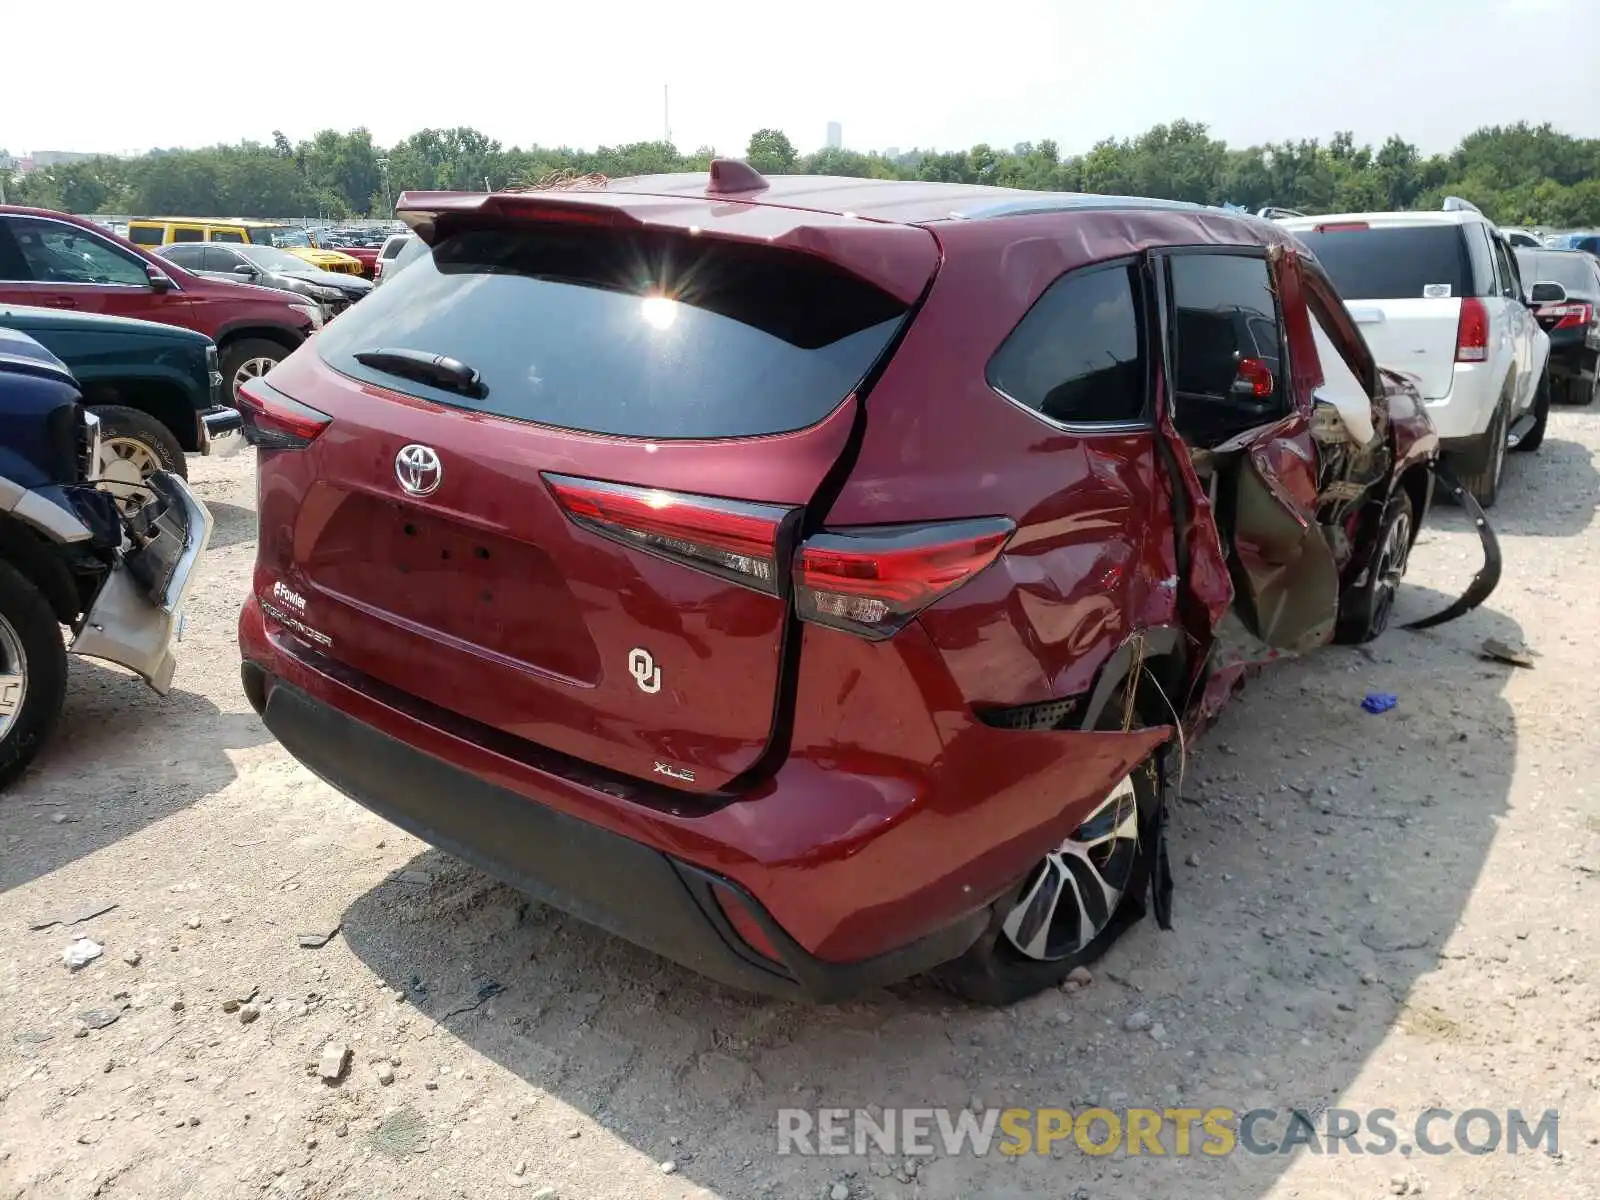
point(13, 267)
point(1483, 276)
point(146, 235)
point(226, 235)
point(1078, 356)
point(220, 258)
point(1227, 347)
point(188, 233)
point(57, 253)
point(184, 256)
point(1506, 280)
point(1515, 268)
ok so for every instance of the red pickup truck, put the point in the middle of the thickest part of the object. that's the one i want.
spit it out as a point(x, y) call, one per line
point(56, 260)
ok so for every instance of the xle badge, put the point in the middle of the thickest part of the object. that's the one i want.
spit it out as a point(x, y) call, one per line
point(645, 673)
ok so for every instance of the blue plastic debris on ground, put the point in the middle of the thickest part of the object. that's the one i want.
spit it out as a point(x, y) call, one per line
point(1380, 702)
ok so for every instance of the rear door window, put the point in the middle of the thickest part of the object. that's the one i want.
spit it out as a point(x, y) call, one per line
point(1406, 262)
point(191, 257)
point(1078, 356)
point(146, 235)
point(651, 335)
point(188, 233)
point(1227, 346)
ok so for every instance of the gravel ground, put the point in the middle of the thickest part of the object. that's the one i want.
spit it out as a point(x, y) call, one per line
point(1387, 911)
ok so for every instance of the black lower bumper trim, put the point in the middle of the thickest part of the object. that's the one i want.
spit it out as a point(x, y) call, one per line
point(620, 885)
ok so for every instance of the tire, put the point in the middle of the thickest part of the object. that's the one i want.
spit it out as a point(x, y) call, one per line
point(1534, 438)
point(1480, 471)
point(132, 445)
point(37, 684)
point(1364, 612)
point(996, 972)
point(1579, 396)
point(248, 358)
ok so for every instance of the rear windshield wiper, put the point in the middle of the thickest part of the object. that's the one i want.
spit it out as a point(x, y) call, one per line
point(439, 370)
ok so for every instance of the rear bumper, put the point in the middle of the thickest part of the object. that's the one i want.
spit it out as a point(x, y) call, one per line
point(855, 866)
point(623, 886)
point(1465, 412)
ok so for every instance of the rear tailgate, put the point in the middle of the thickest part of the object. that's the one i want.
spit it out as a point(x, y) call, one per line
point(1404, 285)
point(1417, 337)
point(592, 558)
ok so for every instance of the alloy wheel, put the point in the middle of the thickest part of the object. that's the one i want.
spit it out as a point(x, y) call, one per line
point(1073, 894)
point(1391, 568)
point(251, 368)
point(13, 676)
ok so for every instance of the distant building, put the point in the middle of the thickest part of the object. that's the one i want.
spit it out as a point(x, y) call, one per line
point(835, 136)
point(58, 158)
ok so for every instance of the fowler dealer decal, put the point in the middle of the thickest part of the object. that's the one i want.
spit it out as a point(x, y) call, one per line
point(289, 621)
point(289, 596)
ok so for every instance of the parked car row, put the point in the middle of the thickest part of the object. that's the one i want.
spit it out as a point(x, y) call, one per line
point(1443, 297)
point(75, 286)
point(73, 554)
point(270, 267)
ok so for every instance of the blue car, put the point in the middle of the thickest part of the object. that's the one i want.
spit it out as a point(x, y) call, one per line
point(70, 555)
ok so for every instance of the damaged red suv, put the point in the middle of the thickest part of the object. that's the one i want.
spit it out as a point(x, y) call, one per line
point(804, 578)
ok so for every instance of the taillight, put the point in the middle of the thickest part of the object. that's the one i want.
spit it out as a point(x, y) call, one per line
point(272, 421)
point(1472, 331)
point(1567, 316)
point(873, 581)
point(731, 538)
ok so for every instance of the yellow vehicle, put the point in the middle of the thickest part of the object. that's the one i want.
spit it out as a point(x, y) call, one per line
point(162, 231)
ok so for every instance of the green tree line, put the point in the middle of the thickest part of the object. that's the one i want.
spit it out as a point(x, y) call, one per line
point(1518, 174)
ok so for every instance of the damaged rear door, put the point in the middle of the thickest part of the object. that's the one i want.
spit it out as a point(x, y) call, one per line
point(1237, 414)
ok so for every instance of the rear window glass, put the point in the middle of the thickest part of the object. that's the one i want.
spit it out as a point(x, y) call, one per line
point(1571, 271)
point(636, 334)
point(1405, 263)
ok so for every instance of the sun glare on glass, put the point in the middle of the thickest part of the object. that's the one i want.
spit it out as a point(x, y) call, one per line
point(658, 311)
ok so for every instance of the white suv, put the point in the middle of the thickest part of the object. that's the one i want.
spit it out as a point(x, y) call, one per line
point(1438, 297)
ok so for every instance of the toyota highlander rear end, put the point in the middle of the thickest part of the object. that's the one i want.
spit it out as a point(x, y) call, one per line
point(544, 577)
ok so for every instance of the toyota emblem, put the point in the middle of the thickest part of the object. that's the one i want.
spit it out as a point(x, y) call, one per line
point(419, 470)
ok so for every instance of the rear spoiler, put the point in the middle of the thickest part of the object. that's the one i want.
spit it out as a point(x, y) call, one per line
point(899, 259)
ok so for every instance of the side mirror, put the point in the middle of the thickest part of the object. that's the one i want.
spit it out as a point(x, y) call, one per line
point(1546, 292)
point(246, 270)
point(160, 281)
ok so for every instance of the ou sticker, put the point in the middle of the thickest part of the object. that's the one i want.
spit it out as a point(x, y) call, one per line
point(1436, 291)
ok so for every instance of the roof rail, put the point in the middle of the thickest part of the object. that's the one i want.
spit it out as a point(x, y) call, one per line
point(1457, 204)
point(1272, 212)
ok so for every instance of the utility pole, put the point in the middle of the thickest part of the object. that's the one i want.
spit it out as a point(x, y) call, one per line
point(666, 111)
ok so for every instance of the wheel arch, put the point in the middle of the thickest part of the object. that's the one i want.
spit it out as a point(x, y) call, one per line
point(1159, 654)
point(287, 338)
point(163, 399)
point(37, 562)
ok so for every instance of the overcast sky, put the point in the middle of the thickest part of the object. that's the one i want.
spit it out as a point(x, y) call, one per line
point(929, 74)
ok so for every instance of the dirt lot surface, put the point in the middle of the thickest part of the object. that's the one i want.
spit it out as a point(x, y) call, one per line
point(1392, 911)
